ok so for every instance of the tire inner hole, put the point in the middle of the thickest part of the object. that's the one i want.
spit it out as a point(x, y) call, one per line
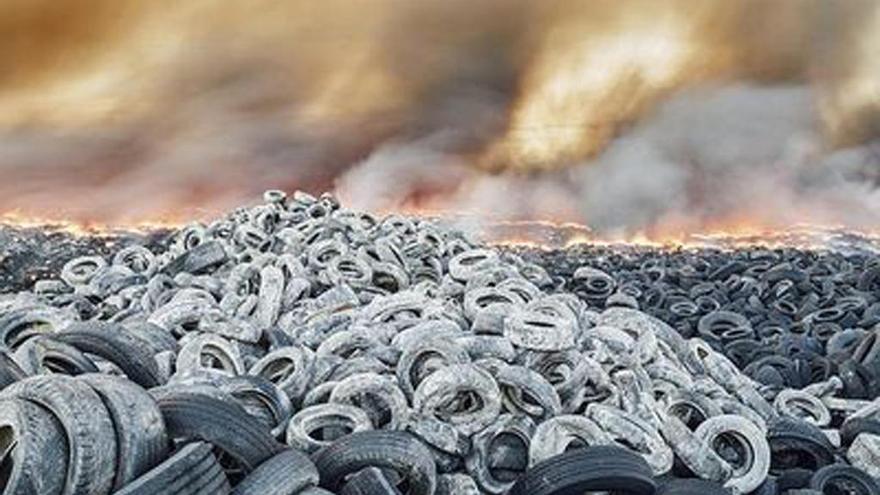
point(507, 457)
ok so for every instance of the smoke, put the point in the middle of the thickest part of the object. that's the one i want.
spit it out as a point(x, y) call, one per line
point(640, 115)
point(717, 156)
point(708, 158)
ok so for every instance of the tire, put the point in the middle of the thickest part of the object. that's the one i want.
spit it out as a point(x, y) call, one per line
point(91, 438)
point(395, 450)
point(554, 436)
point(796, 443)
point(286, 473)
point(155, 337)
point(852, 427)
point(199, 259)
point(224, 424)
point(122, 350)
point(768, 487)
point(191, 467)
point(793, 479)
point(36, 460)
point(691, 487)
point(140, 430)
point(750, 472)
point(343, 418)
point(456, 484)
point(261, 399)
point(595, 468)
point(197, 347)
point(19, 325)
point(828, 476)
point(315, 490)
point(441, 387)
point(868, 278)
point(289, 368)
point(42, 355)
point(205, 478)
point(213, 482)
point(500, 453)
point(369, 481)
point(10, 371)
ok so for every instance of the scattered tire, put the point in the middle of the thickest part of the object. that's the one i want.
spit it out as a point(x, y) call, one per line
point(188, 471)
point(601, 468)
point(393, 450)
point(31, 439)
point(91, 438)
point(226, 425)
point(286, 473)
point(140, 430)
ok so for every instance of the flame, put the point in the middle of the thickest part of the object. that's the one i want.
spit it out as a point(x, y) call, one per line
point(72, 228)
point(545, 234)
point(734, 236)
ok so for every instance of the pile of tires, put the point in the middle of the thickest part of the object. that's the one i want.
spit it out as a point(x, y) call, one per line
point(787, 317)
point(298, 347)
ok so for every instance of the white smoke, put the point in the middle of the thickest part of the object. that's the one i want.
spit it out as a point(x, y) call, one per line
point(703, 158)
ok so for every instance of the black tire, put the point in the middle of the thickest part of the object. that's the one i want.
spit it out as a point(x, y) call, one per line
point(286, 473)
point(140, 430)
point(86, 422)
point(395, 450)
point(315, 490)
point(44, 355)
point(869, 278)
point(224, 424)
point(200, 479)
point(190, 468)
point(793, 479)
point(828, 476)
point(19, 325)
point(212, 482)
point(197, 260)
point(796, 443)
point(691, 487)
point(33, 449)
point(852, 427)
point(858, 381)
point(261, 399)
point(369, 481)
point(122, 350)
point(155, 337)
point(597, 468)
point(10, 371)
point(768, 487)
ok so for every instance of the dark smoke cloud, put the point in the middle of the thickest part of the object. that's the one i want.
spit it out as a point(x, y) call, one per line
point(118, 113)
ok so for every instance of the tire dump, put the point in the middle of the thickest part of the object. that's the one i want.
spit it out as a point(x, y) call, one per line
point(298, 347)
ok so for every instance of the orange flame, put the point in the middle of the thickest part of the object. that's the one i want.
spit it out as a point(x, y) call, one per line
point(84, 229)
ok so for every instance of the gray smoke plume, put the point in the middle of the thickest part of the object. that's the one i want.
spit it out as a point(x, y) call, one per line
point(159, 109)
point(706, 158)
